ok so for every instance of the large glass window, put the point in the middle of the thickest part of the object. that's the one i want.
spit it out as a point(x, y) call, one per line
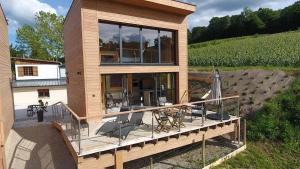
point(150, 45)
point(167, 47)
point(121, 44)
point(131, 44)
point(109, 43)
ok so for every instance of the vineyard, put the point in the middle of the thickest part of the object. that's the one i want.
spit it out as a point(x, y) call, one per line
point(282, 49)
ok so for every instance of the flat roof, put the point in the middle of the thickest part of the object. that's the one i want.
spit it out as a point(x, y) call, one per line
point(39, 83)
point(172, 6)
point(35, 61)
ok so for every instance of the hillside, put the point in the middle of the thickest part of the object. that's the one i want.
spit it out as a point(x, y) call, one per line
point(282, 49)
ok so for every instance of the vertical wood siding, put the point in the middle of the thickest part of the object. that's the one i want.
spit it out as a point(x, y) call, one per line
point(88, 60)
point(6, 102)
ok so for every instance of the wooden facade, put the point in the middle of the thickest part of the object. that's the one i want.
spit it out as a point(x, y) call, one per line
point(6, 102)
point(81, 33)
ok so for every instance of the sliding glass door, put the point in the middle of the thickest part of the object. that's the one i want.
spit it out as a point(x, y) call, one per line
point(137, 90)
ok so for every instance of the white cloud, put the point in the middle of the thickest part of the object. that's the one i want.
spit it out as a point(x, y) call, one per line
point(206, 9)
point(19, 12)
point(24, 11)
point(62, 10)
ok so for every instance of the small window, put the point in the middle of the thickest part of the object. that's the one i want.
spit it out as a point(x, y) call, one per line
point(43, 92)
point(28, 71)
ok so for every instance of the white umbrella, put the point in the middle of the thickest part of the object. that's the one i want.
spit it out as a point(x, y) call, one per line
point(216, 87)
point(216, 93)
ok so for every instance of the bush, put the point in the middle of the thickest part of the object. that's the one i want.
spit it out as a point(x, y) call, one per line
point(279, 118)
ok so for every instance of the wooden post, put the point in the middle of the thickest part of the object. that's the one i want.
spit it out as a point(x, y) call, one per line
point(118, 160)
point(203, 150)
point(239, 131)
point(151, 163)
point(245, 132)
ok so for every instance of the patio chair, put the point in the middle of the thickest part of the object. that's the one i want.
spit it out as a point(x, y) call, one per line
point(162, 120)
point(123, 118)
point(135, 120)
point(162, 101)
point(107, 128)
point(30, 111)
point(178, 118)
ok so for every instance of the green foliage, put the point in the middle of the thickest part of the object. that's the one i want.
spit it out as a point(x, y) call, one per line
point(281, 49)
point(43, 40)
point(264, 155)
point(279, 120)
point(249, 22)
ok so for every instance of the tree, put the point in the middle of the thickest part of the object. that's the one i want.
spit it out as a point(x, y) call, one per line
point(43, 40)
point(270, 18)
point(218, 26)
point(29, 42)
point(253, 23)
point(14, 52)
point(197, 34)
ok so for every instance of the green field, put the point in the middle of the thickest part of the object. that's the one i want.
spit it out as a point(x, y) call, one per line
point(282, 49)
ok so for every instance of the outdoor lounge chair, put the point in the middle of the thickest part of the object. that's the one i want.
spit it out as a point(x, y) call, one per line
point(135, 120)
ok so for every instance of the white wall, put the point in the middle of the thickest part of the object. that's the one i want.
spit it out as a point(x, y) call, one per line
point(62, 71)
point(29, 95)
point(45, 71)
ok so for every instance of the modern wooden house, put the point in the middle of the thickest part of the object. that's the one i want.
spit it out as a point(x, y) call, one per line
point(6, 101)
point(123, 60)
point(134, 51)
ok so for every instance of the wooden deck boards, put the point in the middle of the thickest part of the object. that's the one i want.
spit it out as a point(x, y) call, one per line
point(142, 134)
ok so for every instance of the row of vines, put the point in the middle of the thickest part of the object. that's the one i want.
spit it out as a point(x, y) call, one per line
point(281, 49)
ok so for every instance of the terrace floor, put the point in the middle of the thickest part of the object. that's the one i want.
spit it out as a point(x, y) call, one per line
point(141, 134)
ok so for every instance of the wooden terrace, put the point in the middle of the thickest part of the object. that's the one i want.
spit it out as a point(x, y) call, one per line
point(90, 147)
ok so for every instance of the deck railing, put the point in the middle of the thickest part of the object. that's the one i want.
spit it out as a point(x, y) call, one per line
point(72, 124)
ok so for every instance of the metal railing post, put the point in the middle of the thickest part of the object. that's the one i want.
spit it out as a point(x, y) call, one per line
point(152, 126)
point(79, 137)
point(245, 132)
point(120, 133)
point(238, 107)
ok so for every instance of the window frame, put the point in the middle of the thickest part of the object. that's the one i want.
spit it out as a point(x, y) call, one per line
point(28, 70)
point(43, 93)
point(174, 39)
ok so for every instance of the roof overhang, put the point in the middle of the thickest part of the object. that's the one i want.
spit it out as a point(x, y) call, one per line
point(171, 6)
point(35, 61)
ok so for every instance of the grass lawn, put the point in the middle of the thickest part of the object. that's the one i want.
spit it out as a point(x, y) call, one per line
point(292, 70)
point(264, 155)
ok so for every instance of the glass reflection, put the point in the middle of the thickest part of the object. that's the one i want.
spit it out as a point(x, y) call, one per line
point(167, 47)
point(150, 45)
point(109, 43)
point(131, 44)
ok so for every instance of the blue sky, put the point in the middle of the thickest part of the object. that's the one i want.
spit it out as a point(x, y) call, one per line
point(19, 12)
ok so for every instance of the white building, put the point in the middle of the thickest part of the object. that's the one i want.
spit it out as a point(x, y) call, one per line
point(37, 80)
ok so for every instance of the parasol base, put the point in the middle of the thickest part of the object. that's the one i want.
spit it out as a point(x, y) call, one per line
point(217, 116)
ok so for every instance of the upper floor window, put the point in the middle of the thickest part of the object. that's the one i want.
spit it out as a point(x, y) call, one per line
point(130, 44)
point(27, 71)
point(109, 43)
point(122, 44)
point(150, 45)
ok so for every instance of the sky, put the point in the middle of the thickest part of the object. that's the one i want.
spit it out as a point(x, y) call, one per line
point(20, 12)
